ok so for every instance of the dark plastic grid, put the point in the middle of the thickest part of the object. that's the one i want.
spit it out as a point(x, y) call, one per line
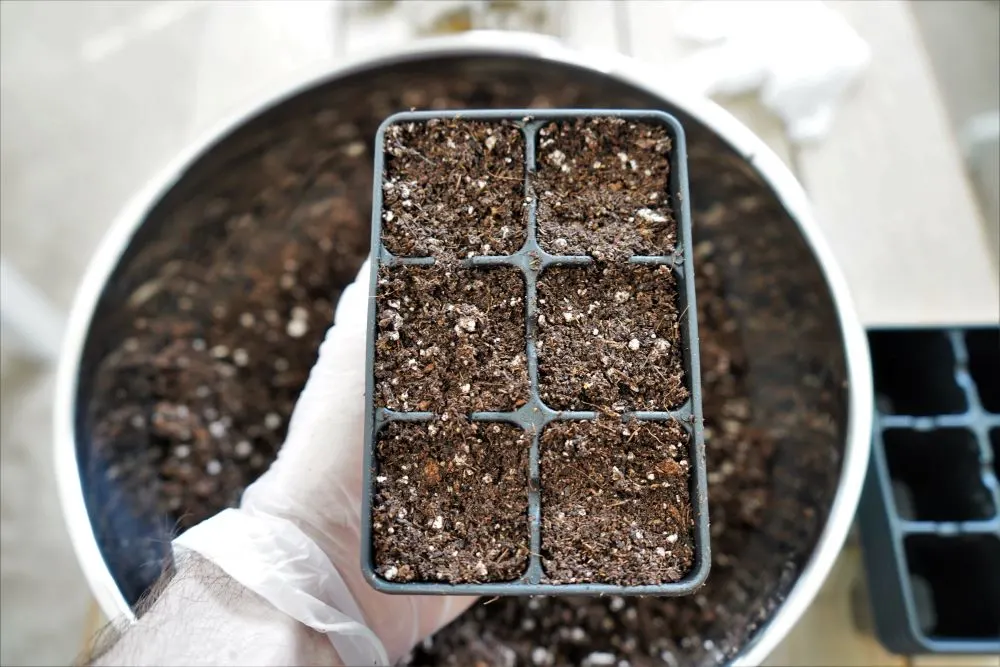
point(532, 261)
point(930, 512)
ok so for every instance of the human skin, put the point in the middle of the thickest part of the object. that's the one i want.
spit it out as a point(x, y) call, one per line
point(198, 615)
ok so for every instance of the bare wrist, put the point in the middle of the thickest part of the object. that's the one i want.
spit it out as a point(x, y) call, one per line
point(198, 615)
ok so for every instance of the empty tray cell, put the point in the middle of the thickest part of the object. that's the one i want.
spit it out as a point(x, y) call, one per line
point(453, 188)
point(451, 501)
point(615, 502)
point(963, 574)
point(450, 340)
point(940, 473)
point(603, 186)
point(984, 365)
point(609, 338)
point(915, 373)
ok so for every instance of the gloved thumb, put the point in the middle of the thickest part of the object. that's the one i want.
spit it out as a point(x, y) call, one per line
point(322, 447)
point(317, 480)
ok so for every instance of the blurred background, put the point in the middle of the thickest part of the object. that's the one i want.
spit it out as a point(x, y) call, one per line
point(890, 120)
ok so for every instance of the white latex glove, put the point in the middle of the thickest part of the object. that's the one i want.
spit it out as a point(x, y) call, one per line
point(316, 484)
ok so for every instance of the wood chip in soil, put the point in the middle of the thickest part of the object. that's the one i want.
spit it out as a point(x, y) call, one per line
point(450, 340)
point(453, 189)
point(609, 338)
point(603, 189)
point(615, 502)
point(451, 502)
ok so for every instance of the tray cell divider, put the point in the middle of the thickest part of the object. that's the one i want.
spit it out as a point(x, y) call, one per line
point(534, 415)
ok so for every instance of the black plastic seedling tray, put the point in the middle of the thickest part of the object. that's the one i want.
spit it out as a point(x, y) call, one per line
point(533, 417)
point(930, 511)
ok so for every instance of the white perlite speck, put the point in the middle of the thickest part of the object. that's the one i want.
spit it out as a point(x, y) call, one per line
point(438, 522)
point(298, 325)
point(633, 344)
point(599, 659)
point(243, 449)
point(272, 420)
point(650, 216)
point(391, 573)
point(297, 328)
point(213, 467)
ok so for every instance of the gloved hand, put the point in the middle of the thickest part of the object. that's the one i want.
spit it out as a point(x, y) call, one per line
point(316, 484)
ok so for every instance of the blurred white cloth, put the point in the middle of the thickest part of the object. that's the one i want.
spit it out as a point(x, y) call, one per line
point(252, 47)
point(800, 56)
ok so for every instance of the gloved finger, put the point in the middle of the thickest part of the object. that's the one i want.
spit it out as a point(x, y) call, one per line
point(326, 427)
point(317, 478)
point(334, 394)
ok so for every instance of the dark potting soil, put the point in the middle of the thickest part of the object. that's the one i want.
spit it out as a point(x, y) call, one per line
point(451, 501)
point(615, 503)
point(297, 185)
point(194, 398)
point(453, 188)
point(450, 339)
point(609, 338)
point(603, 187)
point(453, 340)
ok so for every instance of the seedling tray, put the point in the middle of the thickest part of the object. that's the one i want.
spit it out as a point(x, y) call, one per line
point(531, 418)
point(930, 510)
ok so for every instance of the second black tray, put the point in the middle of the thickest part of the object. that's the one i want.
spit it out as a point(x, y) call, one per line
point(930, 510)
